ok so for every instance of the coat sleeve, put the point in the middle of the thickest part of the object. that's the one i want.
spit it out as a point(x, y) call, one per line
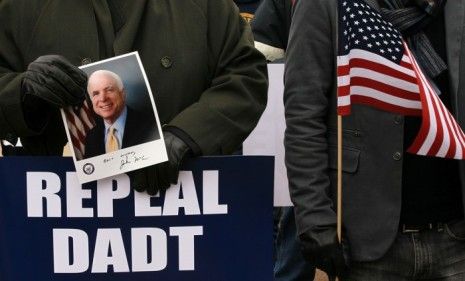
point(12, 123)
point(309, 82)
point(230, 108)
point(16, 22)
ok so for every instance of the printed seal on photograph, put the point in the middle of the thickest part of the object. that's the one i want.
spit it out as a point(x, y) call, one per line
point(88, 168)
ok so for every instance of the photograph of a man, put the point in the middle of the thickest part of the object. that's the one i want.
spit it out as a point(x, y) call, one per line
point(117, 125)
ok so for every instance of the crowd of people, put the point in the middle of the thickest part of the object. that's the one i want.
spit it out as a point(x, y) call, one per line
point(403, 216)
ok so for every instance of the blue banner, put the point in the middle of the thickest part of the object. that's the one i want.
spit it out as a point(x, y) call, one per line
point(215, 224)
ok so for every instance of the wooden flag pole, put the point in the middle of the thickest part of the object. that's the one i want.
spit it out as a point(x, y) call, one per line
point(339, 178)
point(339, 159)
point(339, 183)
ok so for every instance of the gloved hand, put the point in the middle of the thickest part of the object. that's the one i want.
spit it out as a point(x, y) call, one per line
point(159, 177)
point(54, 80)
point(323, 250)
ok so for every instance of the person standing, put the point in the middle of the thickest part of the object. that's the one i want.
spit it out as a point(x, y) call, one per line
point(210, 81)
point(270, 27)
point(403, 216)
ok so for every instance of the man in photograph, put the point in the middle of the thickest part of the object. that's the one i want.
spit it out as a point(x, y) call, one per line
point(119, 126)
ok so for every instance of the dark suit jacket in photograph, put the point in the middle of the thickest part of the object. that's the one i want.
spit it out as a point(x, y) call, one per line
point(139, 128)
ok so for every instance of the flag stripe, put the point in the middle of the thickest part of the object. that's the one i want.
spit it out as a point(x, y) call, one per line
point(87, 116)
point(382, 78)
point(344, 95)
point(80, 121)
point(385, 88)
point(368, 56)
point(381, 69)
point(428, 129)
point(367, 69)
point(436, 127)
point(375, 102)
point(437, 132)
point(440, 136)
point(77, 138)
point(76, 128)
point(387, 98)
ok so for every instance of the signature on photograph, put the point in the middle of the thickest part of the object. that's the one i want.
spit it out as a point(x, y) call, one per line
point(131, 157)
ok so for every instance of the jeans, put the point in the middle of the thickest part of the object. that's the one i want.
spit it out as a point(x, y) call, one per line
point(437, 254)
point(290, 264)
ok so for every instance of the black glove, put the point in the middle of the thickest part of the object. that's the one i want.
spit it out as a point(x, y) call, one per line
point(323, 250)
point(159, 177)
point(54, 80)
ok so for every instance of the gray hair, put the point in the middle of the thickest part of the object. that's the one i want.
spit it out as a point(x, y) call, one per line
point(119, 82)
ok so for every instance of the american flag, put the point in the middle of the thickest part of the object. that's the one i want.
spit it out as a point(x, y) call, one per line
point(80, 120)
point(375, 67)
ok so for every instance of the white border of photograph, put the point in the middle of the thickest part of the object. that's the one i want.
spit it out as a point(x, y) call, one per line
point(125, 159)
